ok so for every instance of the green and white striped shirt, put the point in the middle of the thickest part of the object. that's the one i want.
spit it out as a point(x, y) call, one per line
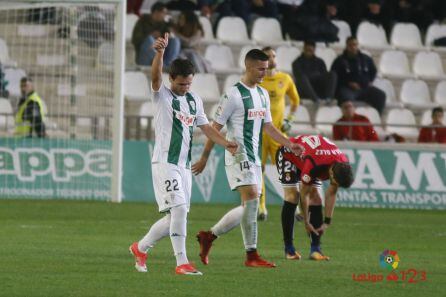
point(175, 120)
point(244, 110)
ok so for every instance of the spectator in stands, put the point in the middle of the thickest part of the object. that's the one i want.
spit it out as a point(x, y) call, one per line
point(240, 8)
point(419, 12)
point(356, 73)
point(190, 32)
point(312, 78)
point(29, 118)
point(439, 9)
point(301, 20)
point(147, 29)
point(360, 130)
point(378, 12)
point(329, 9)
point(351, 12)
point(265, 8)
point(435, 132)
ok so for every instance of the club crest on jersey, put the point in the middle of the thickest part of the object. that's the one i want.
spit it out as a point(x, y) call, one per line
point(256, 113)
point(306, 178)
point(218, 111)
point(185, 118)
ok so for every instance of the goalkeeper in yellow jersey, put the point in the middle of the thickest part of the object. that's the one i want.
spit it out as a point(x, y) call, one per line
point(278, 84)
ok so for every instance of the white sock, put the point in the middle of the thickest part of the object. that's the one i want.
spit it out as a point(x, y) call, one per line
point(249, 223)
point(158, 231)
point(178, 233)
point(228, 222)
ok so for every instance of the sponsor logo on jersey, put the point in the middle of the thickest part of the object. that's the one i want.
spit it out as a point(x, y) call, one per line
point(256, 113)
point(185, 118)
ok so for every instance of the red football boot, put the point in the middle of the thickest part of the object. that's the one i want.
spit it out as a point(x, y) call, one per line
point(253, 259)
point(205, 239)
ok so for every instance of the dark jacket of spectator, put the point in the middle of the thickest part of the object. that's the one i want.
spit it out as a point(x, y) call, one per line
point(359, 68)
point(356, 72)
point(312, 78)
point(420, 12)
point(309, 66)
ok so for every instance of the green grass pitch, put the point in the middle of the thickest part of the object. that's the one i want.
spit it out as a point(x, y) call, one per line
point(79, 248)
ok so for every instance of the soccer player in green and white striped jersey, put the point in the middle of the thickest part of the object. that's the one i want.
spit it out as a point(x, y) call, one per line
point(245, 109)
point(178, 112)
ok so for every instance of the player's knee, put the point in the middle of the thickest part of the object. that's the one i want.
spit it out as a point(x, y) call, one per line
point(179, 212)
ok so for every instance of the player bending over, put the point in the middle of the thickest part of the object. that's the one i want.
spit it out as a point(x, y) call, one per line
point(246, 111)
point(321, 160)
point(178, 112)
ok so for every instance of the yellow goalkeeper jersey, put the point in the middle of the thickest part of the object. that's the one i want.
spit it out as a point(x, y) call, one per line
point(277, 86)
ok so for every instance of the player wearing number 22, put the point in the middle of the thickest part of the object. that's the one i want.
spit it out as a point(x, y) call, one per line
point(320, 160)
point(178, 112)
point(245, 109)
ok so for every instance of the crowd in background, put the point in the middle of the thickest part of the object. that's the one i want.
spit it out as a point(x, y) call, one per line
point(310, 19)
point(352, 73)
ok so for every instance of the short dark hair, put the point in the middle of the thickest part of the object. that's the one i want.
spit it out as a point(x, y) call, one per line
point(350, 38)
point(158, 6)
point(310, 43)
point(437, 109)
point(182, 67)
point(267, 48)
point(256, 55)
point(25, 79)
point(343, 174)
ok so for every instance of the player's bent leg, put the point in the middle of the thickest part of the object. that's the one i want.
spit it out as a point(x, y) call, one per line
point(228, 222)
point(156, 232)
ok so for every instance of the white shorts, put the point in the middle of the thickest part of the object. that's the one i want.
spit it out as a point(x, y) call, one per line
point(243, 174)
point(172, 185)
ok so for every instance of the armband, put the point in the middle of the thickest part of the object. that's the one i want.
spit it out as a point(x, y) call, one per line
point(327, 220)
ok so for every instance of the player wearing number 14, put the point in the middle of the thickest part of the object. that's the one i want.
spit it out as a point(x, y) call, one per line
point(320, 160)
point(178, 112)
point(245, 109)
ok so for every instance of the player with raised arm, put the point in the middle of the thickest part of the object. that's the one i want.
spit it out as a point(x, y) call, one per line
point(245, 109)
point(178, 112)
point(320, 160)
point(278, 84)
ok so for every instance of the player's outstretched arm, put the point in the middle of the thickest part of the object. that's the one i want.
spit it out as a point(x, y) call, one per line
point(304, 202)
point(199, 166)
point(280, 138)
point(212, 132)
point(157, 63)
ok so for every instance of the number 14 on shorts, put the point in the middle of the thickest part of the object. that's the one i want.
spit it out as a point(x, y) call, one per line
point(244, 165)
